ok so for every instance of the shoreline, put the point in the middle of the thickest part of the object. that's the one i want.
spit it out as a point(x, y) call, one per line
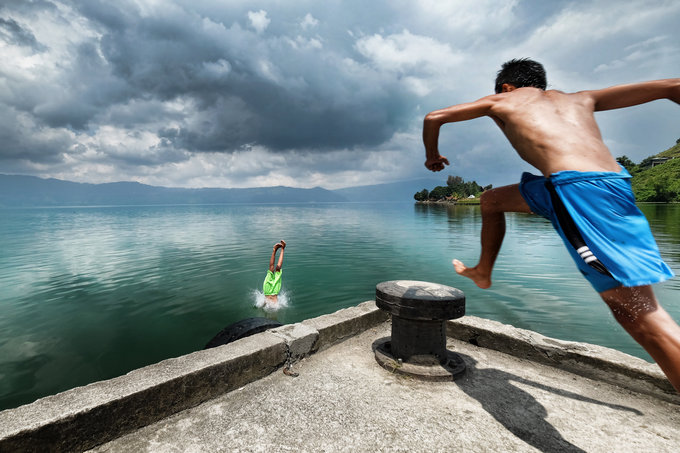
point(474, 202)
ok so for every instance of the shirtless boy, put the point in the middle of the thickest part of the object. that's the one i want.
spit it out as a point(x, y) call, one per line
point(583, 191)
point(272, 282)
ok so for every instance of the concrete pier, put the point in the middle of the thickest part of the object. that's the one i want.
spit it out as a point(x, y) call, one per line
point(521, 392)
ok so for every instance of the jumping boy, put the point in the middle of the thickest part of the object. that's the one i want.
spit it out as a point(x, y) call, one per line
point(272, 282)
point(583, 191)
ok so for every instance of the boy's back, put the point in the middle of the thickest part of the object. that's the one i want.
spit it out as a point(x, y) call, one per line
point(552, 130)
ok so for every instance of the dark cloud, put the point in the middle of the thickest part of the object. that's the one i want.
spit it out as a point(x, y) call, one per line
point(86, 90)
point(261, 114)
point(21, 139)
point(27, 7)
point(249, 89)
point(13, 33)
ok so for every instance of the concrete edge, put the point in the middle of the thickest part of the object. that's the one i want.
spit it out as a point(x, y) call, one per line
point(583, 359)
point(84, 417)
point(337, 327)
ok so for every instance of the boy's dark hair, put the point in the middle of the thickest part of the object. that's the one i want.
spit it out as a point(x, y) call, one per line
point(521, 72)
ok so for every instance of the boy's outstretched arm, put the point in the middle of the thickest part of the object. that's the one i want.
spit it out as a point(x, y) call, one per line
point(621, 96)
point(434, 121)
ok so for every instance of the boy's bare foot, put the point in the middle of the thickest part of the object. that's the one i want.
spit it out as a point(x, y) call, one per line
point(283, 243)
point(481, 279)
point(277, 246)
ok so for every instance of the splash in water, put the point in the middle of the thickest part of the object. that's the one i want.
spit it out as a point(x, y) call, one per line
point(266, 304)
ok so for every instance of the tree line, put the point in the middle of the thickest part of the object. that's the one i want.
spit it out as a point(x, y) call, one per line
point(455, 189)
point(656, 178)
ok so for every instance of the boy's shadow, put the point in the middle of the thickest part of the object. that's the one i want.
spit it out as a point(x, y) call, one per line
point(518, 410)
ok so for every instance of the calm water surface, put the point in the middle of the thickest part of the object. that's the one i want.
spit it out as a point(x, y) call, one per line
point(92, 293)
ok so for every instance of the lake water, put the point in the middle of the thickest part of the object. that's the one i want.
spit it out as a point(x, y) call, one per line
point(91, 293)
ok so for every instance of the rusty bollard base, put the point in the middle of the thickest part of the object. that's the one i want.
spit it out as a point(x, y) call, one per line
point(419, 312)
point(424, 367)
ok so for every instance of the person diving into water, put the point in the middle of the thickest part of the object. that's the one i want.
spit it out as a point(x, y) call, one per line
point(272, 281)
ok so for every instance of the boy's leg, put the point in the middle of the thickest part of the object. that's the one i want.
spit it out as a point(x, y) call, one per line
point(494, 204)
point(272, 260)
point(282, 245)
point(640, 314)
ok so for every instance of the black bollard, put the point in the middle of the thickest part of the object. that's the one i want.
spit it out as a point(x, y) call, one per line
point(419, 312)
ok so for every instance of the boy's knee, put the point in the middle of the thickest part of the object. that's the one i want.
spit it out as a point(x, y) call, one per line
point(485, 197)
point(488, 200)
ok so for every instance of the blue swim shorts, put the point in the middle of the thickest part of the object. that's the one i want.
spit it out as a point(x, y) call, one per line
point(596, 216)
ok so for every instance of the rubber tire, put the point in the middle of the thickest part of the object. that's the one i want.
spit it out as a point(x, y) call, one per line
point(241, 329)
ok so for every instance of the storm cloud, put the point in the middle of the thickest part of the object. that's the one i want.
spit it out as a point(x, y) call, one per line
point(235, 94)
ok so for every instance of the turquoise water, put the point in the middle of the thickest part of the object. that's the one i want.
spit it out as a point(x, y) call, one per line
point(91, 293)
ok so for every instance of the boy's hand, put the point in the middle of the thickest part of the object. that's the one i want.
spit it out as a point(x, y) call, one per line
point(437, 163)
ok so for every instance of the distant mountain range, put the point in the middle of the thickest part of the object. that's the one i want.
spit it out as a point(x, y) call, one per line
point(27, 191)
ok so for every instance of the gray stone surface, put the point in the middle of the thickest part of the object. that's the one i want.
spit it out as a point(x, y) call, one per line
point(343, 324)
point(343, 401)
point(299, 339)
point(585, 359)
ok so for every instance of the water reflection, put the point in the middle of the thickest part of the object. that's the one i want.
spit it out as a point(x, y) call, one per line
point(91, 293)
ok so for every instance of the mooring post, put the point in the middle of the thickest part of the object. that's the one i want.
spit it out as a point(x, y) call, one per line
point(419, 312)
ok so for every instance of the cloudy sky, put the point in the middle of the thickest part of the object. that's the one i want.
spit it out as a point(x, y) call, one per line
point(231, 93)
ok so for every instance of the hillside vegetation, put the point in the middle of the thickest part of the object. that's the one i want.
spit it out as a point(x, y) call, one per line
point(653, 180)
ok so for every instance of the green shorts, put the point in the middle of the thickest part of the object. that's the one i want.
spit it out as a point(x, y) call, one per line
point(272, 283)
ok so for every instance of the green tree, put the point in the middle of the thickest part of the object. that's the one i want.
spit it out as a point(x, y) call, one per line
point(454, 181)
point(662, 192)
point(456, 187)
point(422, 195)
point(659, 184)
point(626, 163)
point(440, 192)
point(461, 188)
